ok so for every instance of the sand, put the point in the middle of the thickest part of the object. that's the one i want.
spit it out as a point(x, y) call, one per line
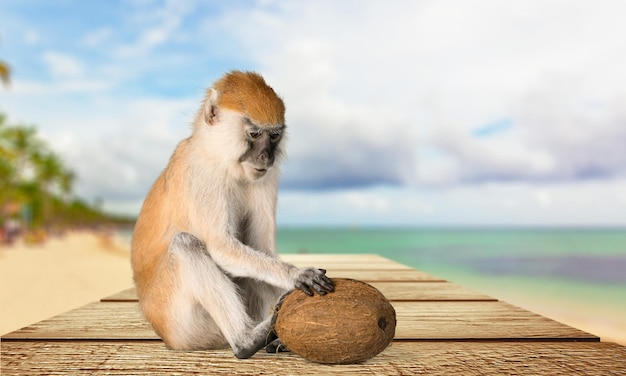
point(38, 282)
point(41, 281)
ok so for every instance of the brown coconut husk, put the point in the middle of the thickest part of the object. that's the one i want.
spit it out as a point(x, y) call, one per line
point(350, 325)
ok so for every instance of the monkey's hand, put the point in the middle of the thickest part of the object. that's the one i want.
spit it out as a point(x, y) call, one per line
point(312, 280)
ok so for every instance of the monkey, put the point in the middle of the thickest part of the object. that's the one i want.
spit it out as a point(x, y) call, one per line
point(203, 250)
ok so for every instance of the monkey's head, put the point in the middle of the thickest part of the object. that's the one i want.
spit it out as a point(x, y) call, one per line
point(248, 119)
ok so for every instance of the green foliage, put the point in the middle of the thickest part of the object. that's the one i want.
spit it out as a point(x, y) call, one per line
point(35, 179)
point(5, 73)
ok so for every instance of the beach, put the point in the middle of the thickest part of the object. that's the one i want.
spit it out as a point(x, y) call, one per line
point(44, 280)
point(40, 281)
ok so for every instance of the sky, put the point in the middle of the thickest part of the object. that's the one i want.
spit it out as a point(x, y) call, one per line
point(399, 113)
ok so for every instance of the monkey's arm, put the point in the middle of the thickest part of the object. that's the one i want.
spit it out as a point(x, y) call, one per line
point(222, 231)
point(240, 260)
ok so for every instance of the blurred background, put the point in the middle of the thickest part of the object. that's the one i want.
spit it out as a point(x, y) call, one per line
point(483, 141)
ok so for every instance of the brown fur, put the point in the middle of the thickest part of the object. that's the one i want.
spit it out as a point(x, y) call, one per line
point(153, 234)
point(247, 92)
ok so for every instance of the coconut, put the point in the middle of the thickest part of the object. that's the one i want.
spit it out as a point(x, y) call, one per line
point(352, 324)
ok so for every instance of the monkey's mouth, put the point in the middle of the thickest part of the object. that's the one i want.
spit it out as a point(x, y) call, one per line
point(256, 172)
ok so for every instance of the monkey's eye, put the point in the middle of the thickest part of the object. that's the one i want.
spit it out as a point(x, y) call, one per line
point(275, 135)
point(255, 133)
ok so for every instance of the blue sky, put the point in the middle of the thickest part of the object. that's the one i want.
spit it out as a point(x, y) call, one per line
point(400, 113)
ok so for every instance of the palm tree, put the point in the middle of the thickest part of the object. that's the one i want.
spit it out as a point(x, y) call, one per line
point(7, 172)
point(23, 145)
point(5, 73)
point(48, 169)
point(52, 178)
point(66, 183)
point(7, 164)
point(33, 176)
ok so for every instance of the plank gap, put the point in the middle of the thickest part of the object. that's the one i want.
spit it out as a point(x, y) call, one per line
point(500, 340)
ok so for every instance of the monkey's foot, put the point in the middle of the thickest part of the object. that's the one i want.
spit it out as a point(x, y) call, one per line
point(276, 346)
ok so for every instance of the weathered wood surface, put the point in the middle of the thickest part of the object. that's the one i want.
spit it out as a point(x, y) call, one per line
point(435, 291)
point(401, 358)
point(478, 321)
point(306, 259)
point(488, 320)
point(349, 263)
point(368, 268)
point(442, 329)
point(349, 260)
point(394, 291)
point(384, 275)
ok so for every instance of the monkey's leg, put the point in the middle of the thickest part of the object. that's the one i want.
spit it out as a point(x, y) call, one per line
point(260, 297)
point(171, 301)
point(219, 296)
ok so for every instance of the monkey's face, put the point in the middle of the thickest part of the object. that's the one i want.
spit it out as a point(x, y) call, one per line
point(263, 147)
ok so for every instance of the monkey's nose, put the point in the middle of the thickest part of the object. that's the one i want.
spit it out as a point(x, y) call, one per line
point(264, 157)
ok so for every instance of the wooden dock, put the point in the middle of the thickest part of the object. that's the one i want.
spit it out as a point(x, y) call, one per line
point(442, 329)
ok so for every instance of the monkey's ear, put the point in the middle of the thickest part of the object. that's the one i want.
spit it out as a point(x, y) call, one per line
point(210, 107)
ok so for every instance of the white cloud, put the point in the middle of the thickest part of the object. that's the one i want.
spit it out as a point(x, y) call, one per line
point(377, 93)
point(125, 158)
point(589, 203)
point(159, 24)
point(471, 159)
point(98, 37)
point(117, 147)
point(586, 134)
point(371, 78)
point(31, 37)
point(63, 65)
point(77, 85)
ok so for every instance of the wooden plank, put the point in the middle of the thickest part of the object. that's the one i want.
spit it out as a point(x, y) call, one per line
point(332, 257)
point(384, 275)
point(330, 265)
point(401, 358)
point(478, 321)
point(416, 321)
point(91, 321)
point(394, 291)
point(435, 291)
point(345, 262)
point(128, 295)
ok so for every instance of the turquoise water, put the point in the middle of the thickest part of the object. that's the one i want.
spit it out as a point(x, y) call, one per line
point(585, 265)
